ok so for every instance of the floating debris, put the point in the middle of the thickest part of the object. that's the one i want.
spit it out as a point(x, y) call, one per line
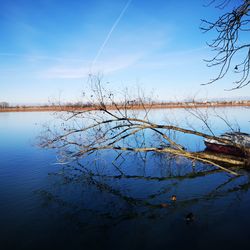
point(189, 217)
point(164, 205)
point(173, 198)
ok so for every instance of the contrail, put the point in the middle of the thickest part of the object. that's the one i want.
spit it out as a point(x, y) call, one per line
point(111, 31)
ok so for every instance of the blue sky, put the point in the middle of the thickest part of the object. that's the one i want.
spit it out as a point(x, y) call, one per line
point(49, 47)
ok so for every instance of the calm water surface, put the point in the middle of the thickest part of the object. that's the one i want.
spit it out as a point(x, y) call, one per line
point(107, 204)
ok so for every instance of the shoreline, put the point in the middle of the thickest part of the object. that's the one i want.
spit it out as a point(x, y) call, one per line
point(135, 107)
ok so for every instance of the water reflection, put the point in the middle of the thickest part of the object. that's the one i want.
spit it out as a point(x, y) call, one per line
point(115, 201)
point(93, 194)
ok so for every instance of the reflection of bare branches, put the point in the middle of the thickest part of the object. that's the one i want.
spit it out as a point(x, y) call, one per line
point(122, 175)
point(215, 194)
point(111, 203)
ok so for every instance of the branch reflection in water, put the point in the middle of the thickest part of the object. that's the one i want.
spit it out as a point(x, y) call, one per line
point(108, 187)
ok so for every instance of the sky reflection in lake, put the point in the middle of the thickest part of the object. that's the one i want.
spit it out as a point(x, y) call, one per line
point(117, 204)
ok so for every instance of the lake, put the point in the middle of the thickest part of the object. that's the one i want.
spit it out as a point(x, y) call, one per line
point(124, 203)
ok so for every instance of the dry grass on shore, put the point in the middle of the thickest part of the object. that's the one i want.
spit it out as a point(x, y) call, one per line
point(134, 106)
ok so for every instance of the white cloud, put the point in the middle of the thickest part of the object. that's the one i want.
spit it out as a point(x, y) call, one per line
point(73, 70)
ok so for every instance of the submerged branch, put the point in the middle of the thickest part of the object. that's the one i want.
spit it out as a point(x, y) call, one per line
point(201, 156)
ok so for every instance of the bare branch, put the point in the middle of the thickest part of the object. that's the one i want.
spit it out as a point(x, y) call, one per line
point(229, 27)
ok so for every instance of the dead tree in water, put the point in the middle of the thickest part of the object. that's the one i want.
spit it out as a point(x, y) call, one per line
point(121, 126)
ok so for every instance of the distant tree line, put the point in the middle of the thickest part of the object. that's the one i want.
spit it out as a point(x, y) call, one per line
point(4, 105)
point(133, 103)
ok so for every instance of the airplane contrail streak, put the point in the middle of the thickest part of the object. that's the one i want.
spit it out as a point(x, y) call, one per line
point(110, 32)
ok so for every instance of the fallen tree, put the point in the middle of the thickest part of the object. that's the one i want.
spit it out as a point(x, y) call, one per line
point(123, 129)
